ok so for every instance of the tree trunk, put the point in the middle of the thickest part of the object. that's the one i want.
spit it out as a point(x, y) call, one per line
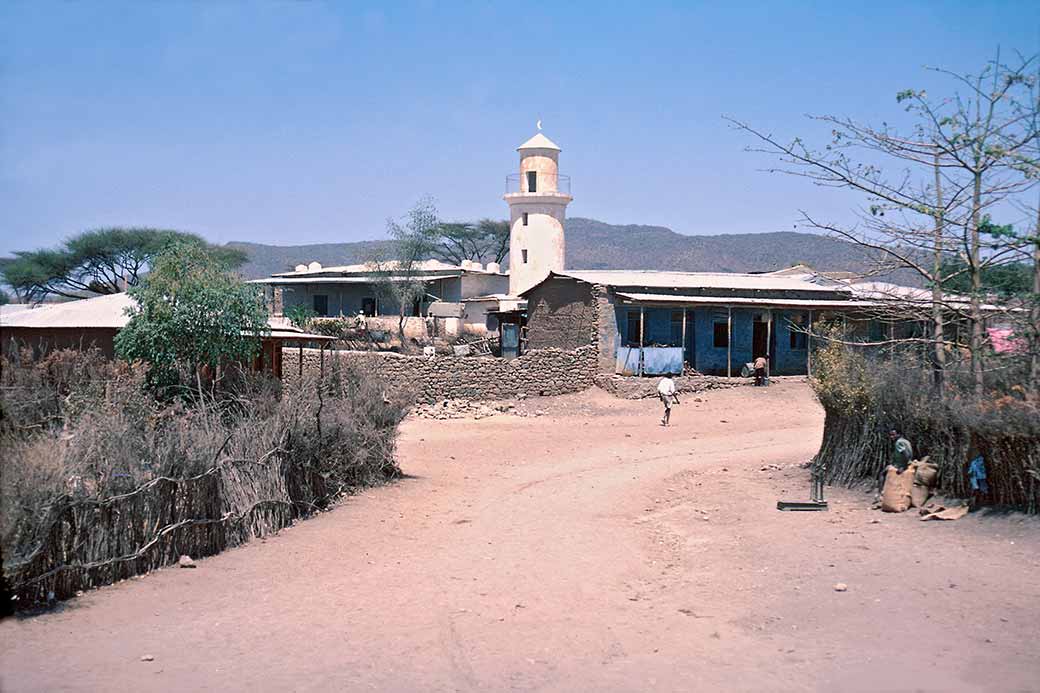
point(974, 263)
point(1033, 333)
point(400, 330)
point(939, 354)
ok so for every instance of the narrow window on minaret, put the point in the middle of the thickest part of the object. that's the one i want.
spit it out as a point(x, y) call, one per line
point(525, 218)
point(532, 181)
point(523, 254)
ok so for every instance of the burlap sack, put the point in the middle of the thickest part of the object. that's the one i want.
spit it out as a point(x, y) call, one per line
point(895, 497)
point(919, 495)
point(927, 473)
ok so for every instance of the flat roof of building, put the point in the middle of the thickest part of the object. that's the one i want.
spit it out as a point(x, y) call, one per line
point(280, 279)
point(722, 301)
point(696, 280)
point(370, 268)
point(109, 312)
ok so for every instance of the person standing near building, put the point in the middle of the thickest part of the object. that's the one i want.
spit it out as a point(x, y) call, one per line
point(761, 366)
point(666, 391)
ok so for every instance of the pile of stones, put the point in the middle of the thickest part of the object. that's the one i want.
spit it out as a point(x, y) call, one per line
point(462, 409)
point(631, 387)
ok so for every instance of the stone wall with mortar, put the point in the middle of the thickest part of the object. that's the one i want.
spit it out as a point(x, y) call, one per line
point(540, 372)
point(561, 314)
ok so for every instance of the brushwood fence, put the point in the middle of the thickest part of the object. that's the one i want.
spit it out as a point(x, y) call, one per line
point(84, 543)
point(856, 449)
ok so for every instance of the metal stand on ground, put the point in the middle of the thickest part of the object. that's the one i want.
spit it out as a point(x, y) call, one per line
point(816, 501)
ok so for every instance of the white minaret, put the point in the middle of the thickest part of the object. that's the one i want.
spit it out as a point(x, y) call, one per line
point(537, 201)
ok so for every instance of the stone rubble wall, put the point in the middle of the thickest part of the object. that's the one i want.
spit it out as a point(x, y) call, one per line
point(544, 372)
point(633, 387)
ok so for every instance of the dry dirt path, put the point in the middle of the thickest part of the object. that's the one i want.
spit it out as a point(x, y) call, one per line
point(588, 549)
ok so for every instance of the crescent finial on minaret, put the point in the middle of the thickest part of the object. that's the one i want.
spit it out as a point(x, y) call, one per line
point(539, 124)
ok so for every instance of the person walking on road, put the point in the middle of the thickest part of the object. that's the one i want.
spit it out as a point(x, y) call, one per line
point(666, 391)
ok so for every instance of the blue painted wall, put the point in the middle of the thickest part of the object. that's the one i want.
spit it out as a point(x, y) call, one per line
point(788, 360)
point(701, 352)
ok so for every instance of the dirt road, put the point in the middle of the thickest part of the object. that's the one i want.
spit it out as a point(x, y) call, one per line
point(586, 549)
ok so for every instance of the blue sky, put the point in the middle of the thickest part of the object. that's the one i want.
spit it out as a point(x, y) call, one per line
point(312, 122)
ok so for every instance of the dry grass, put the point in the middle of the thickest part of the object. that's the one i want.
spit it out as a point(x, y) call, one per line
point(101, 480)
point(864, 397)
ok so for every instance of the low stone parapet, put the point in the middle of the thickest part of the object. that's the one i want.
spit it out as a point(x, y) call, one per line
point(544, 372)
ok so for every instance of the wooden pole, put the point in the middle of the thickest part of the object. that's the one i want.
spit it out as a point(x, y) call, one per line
point(769, 343)
point(729, 341)
point(808, 348)
point(300, 364)
point(684, 338)
point(642, 310)
point(321, 352)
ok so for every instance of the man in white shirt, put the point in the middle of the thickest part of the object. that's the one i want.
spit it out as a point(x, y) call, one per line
point(666, 391)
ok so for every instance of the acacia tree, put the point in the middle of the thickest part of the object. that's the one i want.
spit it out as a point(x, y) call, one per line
point(929, 193)
point(190, 312)
point(399, 267)
point(101, 261)
point(484, 241)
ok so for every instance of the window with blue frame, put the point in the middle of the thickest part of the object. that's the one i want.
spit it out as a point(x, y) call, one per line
point(632, 328)
point(677, 327)
point(720, 334)
point(799, 335)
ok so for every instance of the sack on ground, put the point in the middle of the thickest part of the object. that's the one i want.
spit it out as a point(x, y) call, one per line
point(927, 473)
point(919, 495)
point(925, 477)
point(895, 497)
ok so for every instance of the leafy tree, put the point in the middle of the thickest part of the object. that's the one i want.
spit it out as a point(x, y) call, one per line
point(300, 315)
point(1012, 279)
point(5, 298)
point(484, 241)
point(399, 268)
point(102, 261)
point(191, 312)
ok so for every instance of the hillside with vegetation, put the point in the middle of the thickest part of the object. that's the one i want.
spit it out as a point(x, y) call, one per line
point(593, 244)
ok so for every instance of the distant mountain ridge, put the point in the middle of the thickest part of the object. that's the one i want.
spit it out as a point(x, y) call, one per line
point(595, 244)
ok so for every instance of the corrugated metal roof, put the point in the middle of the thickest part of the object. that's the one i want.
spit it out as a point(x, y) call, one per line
point(12, 308)
point(696, 280)
point(110, 311)
point(102, 311)
point(373, 268)
point(295, 335)
point(726, 301)
point(300, 279)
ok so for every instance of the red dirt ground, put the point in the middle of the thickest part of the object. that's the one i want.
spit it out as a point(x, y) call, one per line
point(587, 549)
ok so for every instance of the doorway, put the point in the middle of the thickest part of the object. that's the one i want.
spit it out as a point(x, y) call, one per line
point(321, 305)
point(762, 338)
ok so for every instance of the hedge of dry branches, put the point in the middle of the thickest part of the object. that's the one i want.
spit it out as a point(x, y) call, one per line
point(864, 396)
point(102, 481)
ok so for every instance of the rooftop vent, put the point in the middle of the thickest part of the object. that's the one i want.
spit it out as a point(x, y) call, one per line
point(300, 268)
point(494, 268)
point(314, 267)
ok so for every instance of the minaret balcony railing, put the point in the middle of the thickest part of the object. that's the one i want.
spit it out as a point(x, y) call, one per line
point(544, 183)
